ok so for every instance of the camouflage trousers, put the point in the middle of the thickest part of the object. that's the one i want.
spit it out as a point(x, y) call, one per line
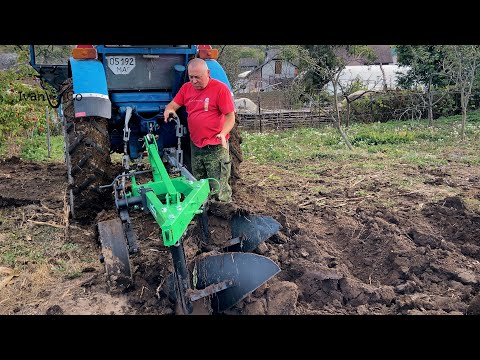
point(213, 161)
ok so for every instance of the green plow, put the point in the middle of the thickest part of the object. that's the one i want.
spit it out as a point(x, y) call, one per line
point(174, 202)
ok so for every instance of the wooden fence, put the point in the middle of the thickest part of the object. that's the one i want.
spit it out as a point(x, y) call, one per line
point(280, 119)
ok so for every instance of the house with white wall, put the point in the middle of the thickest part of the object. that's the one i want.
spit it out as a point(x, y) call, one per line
point(382, 72)
point(372, 77)
point(273, 74)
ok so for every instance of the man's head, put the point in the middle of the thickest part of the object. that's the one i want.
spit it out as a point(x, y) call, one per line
point(198, 73)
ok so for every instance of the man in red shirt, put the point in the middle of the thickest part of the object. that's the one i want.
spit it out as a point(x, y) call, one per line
point(211, 117)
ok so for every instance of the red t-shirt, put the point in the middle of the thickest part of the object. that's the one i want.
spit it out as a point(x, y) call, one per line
point(206, 110)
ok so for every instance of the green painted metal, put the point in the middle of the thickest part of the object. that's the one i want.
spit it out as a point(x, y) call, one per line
point(173, 202)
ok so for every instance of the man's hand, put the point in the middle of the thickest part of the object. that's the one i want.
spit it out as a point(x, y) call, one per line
point(169, 115)
point(224, 141)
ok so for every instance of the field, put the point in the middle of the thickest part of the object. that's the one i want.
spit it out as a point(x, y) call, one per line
point(391, 227)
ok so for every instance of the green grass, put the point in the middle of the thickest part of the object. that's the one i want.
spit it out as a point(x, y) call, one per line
point(34, 148)
point(26, 248)
point(375, 145)
point(18, 251)
point(24, 245)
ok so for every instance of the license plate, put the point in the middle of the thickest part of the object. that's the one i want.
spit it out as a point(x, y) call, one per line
point(121, 65)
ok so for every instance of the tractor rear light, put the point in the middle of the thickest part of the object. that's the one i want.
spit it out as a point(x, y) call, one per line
point(208, 53)
point(84, 52)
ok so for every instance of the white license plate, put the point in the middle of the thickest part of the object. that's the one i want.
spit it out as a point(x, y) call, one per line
point(121, 65)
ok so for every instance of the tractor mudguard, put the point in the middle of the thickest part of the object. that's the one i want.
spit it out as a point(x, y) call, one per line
point(90, 92)
point(217, 72)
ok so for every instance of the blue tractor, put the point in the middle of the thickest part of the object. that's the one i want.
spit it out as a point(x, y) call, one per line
point(111, 99)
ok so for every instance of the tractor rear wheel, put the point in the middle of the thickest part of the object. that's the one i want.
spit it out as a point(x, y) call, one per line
point(87, 156)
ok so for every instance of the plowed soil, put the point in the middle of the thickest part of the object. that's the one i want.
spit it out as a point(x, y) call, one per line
point(350, 243)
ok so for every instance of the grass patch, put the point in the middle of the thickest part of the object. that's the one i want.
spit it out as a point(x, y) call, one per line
point(289, 145)
point(422, 159)
point(33, 148)
point(378, 138)
point(39, 250)
point(375, 145)
point(36, 149)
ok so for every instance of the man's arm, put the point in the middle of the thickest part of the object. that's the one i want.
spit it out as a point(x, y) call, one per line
point(172, 107)
point(227, 127)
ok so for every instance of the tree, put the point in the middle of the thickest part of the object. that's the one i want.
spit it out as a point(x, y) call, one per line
point(229, 58)
point(425, 64)
point(460, 65)
point(352, 91)
point(323, 64)
point(230, 55)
